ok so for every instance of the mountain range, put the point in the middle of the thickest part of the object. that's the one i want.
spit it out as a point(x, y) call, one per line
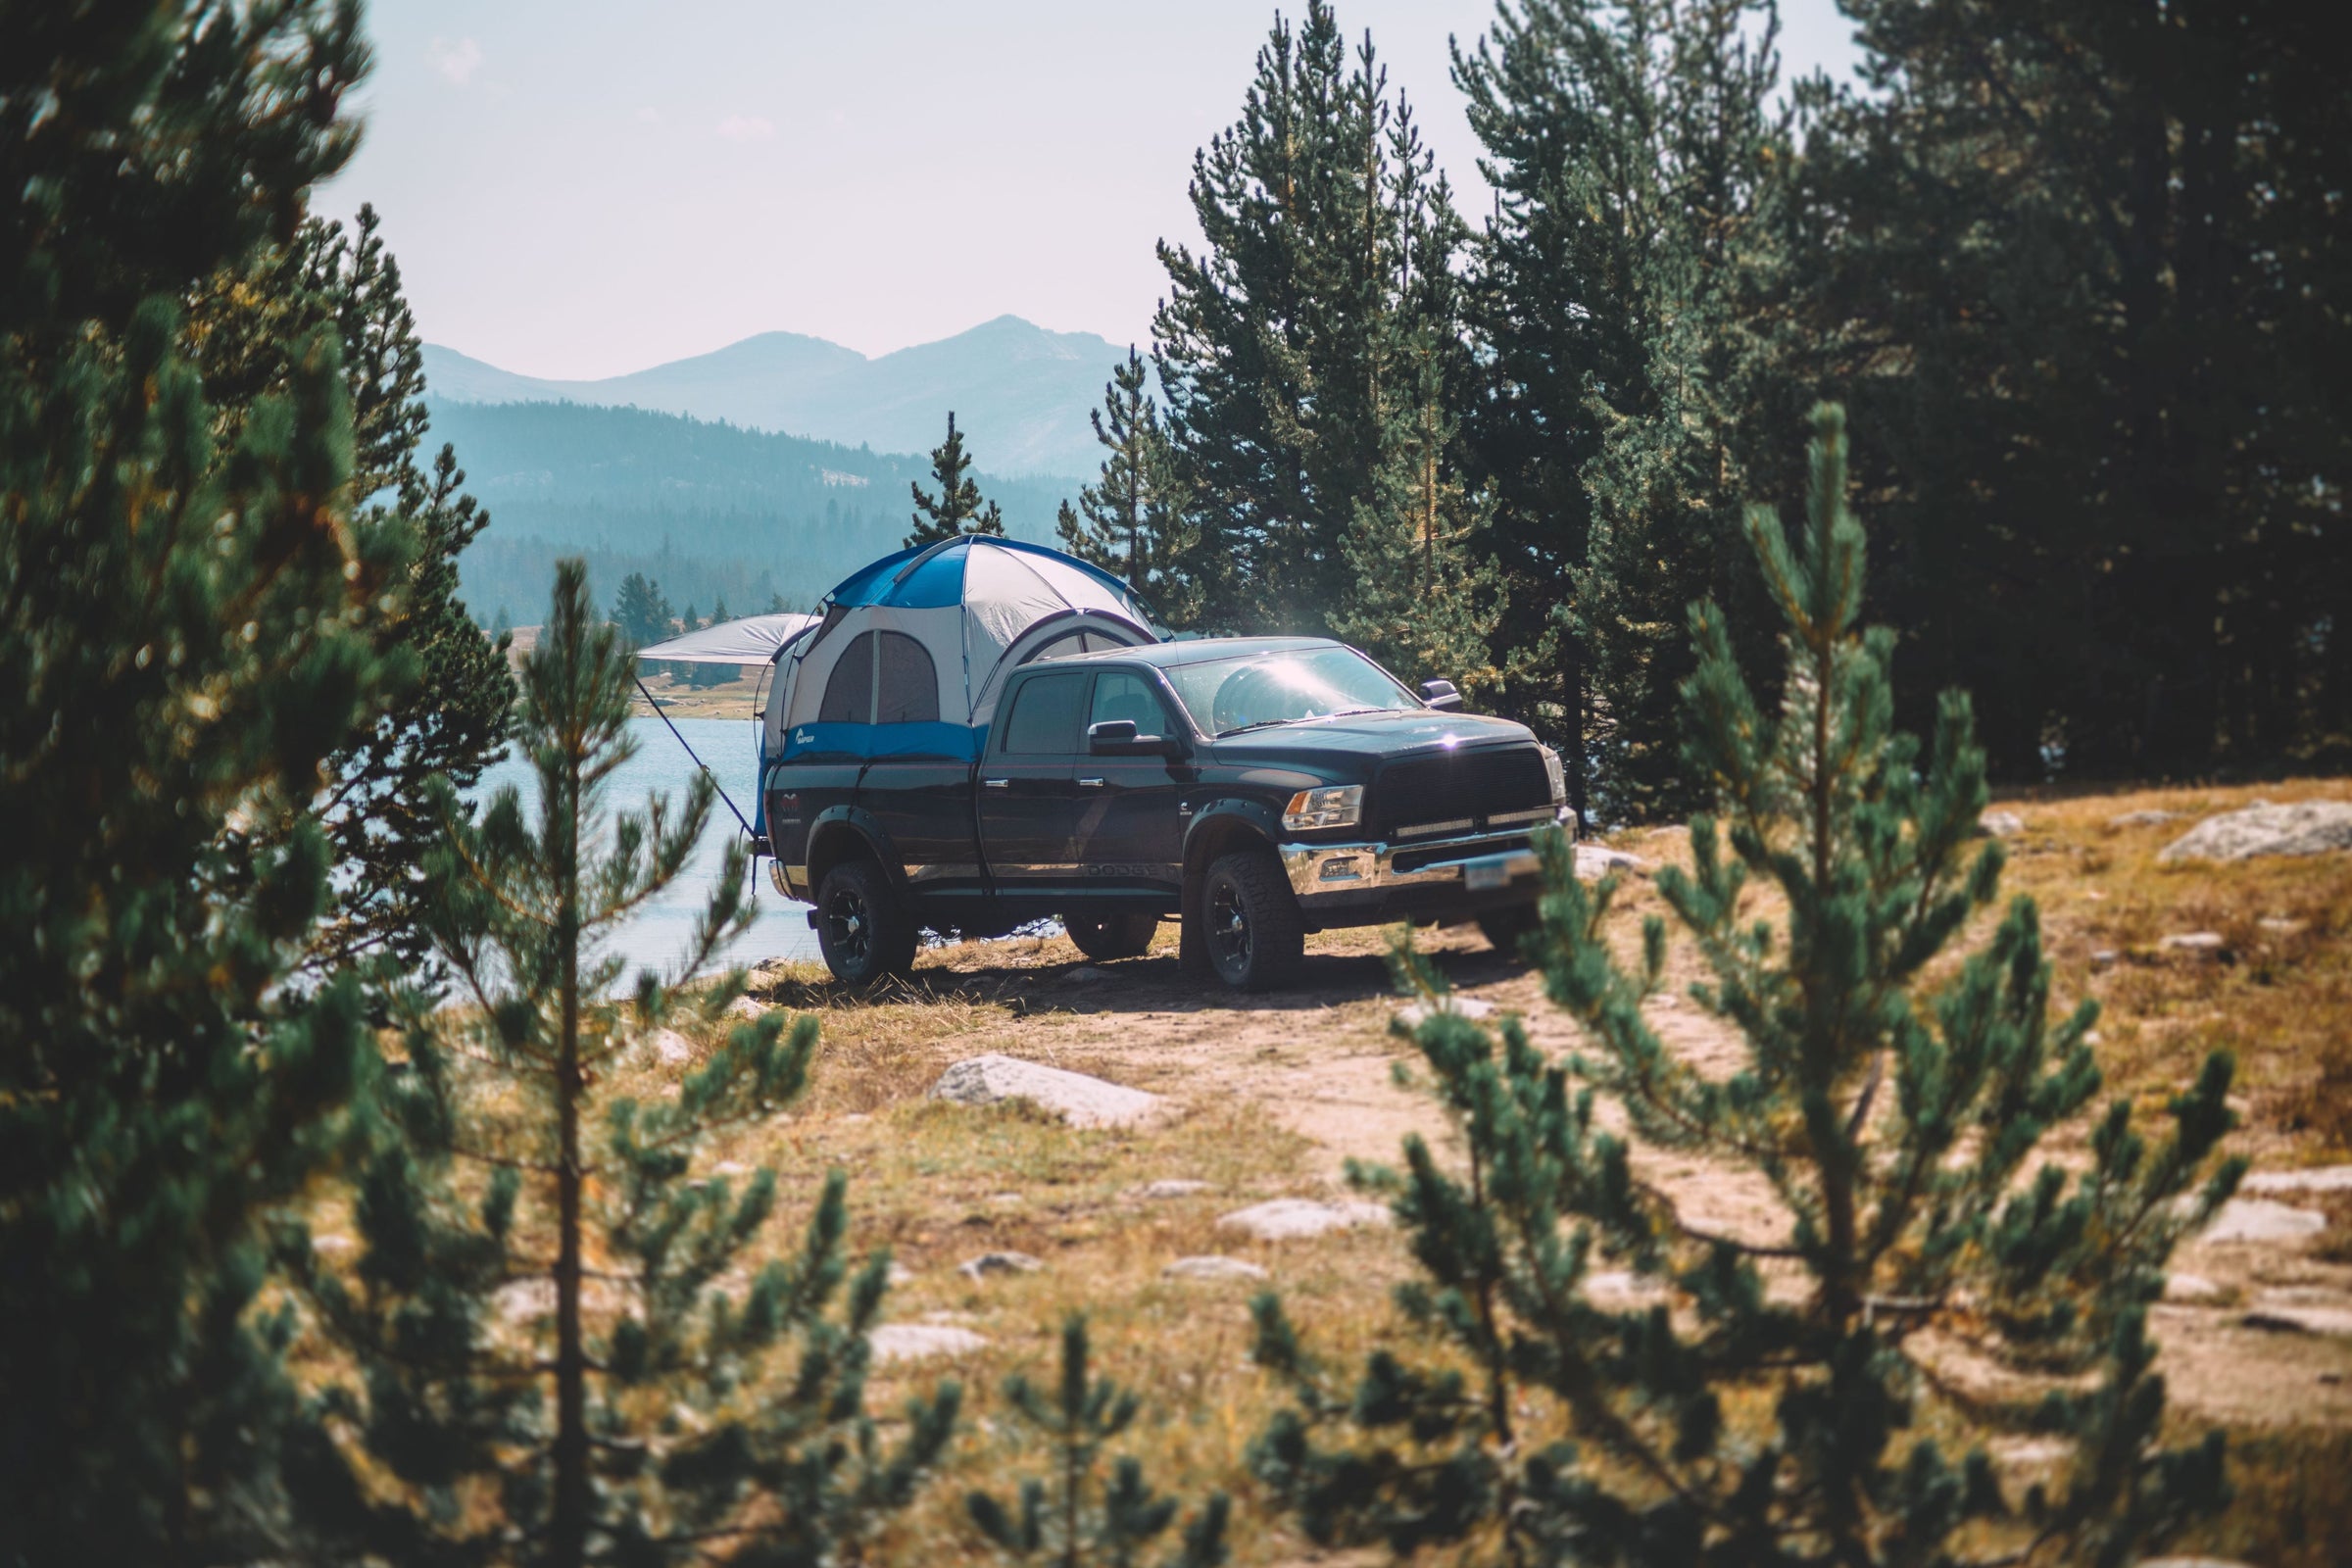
point(1019, 393)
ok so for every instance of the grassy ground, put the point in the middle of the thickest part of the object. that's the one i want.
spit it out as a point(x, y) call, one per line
point(1276, 1092)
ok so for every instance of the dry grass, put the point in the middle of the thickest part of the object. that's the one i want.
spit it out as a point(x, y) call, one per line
point(938, 1184)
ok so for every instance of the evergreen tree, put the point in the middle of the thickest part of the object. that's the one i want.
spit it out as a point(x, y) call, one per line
point(1619, 296)
point(453, 722)
point(1288, 348)
point(957, 508)
point(551, 1360)
point(189, 628)
point(1058, 1521)
point(1417, 601)
point(1891, 1115)
point(2089, 259)
point(1132, 521)
point(640, 611)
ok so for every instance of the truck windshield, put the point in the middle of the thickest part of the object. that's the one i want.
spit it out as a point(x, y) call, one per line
point(1225, 695)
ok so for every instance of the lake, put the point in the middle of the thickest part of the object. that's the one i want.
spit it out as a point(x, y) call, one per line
point(660, 932)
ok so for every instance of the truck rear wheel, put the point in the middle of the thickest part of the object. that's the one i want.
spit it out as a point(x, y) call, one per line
point(1250, 922)
point(1103, 937)
point(862, 927)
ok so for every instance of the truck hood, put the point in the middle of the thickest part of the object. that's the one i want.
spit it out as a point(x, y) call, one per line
point(1354, 744)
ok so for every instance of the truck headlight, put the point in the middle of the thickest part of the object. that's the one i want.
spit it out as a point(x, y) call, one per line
point(1552, 771)
point(1338, 807)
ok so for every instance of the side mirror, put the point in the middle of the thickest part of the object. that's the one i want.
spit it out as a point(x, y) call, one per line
point(1117, 737)
point(1441, 694)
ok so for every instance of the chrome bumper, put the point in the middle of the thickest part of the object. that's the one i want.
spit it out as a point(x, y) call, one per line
point(1321, 869)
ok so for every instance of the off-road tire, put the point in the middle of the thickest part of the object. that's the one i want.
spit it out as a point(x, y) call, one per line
point(1250, 922)
point(1504, 927)
point(1103, 937)
point(863, 927)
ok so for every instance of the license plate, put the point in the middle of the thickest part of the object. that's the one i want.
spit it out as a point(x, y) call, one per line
point(1485, 876)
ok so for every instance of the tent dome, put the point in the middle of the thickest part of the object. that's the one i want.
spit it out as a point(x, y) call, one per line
point(913, 649)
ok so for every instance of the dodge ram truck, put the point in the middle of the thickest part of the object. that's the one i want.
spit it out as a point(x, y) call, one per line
point(1254, 789)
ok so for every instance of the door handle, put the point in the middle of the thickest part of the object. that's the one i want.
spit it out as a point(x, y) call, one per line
point(995, 783)
point(1090, 783)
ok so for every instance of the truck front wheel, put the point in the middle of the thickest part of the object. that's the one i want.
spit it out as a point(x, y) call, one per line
point(1250, 922)
point(863, 929)
point(1103, 937)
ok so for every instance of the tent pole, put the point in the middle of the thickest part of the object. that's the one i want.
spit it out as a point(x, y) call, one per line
point(697, 761)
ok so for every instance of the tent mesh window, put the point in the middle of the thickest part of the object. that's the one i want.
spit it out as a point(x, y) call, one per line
point(906, 683)
point(850, 694)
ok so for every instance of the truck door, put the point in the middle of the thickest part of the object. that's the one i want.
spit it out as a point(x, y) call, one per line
point(1027, 803)
point(1130, 837)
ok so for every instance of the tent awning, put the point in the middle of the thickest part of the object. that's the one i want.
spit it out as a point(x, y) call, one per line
point(753, 640)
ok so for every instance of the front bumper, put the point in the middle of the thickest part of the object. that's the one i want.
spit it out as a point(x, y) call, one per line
point(1487, 869)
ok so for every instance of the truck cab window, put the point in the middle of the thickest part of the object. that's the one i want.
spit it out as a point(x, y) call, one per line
point(850, 693)
point(1045, 716)
point(906, 682)
point(1121, 694)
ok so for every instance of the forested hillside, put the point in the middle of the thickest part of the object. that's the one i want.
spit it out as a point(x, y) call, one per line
point(709, 510)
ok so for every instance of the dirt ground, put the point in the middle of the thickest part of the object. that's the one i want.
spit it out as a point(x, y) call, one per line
point(1277, 1093)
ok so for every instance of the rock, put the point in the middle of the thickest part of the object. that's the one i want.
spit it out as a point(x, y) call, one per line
point(2283, 1317)
point(1289, 1218)
point(2195, 941)
point(2104, 958)
point(2143, 818)
point(2309, 828)
point(2278, 926)
point(2318, 1179)
point(729, 1167)
point(913, 1342)
point(2027, 1453)
point(670, 1047)
point(2190, 1289)
point(2254, 1219)
point(1212, 1268)
point(746, 1008)
point(1085, 974)
point(1413, 1014)
point(987, 1263)
point(1075, 1097)
point(2190, 1562)
point(2000, 825)
point(332, 1243)
point(1621, 1288)
point(897, 1274)
point(1593, 861)
point(1173, 1187)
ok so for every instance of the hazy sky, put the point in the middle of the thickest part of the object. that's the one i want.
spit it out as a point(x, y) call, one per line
point(589, 188)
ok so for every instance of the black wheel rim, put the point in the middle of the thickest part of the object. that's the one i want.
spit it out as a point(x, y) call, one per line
point(1228, 929)
point(849, 926)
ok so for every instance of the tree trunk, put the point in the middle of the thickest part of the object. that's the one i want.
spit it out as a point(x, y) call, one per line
point(567, 1544)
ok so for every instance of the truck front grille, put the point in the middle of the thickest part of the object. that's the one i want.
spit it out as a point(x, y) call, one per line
point(1460, 792)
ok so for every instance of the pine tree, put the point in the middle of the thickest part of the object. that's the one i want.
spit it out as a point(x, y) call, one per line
point(640, 610)
point(1282, 347)
point(188, 627)
point(1077, 1520)
point(957, 508)
point(1615, 297)
point(1699, 1416)
point(2089, 259)
point(1417, 599)
point(1132, 520)
point(640, 1409)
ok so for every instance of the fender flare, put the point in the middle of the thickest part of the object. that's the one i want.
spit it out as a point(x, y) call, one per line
point(1219, 823)
point(834, 822)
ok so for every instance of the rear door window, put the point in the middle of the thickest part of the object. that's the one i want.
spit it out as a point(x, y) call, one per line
point(1045, 721)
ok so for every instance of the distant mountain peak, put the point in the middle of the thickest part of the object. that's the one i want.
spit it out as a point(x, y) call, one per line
point(1020, 391)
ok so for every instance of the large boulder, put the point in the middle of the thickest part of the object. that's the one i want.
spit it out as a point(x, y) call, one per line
point(2307, 827)
point(1076, 1098)
point(1290, 1218)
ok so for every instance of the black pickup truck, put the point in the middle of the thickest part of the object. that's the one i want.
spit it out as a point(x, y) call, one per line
point(1257, 789)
